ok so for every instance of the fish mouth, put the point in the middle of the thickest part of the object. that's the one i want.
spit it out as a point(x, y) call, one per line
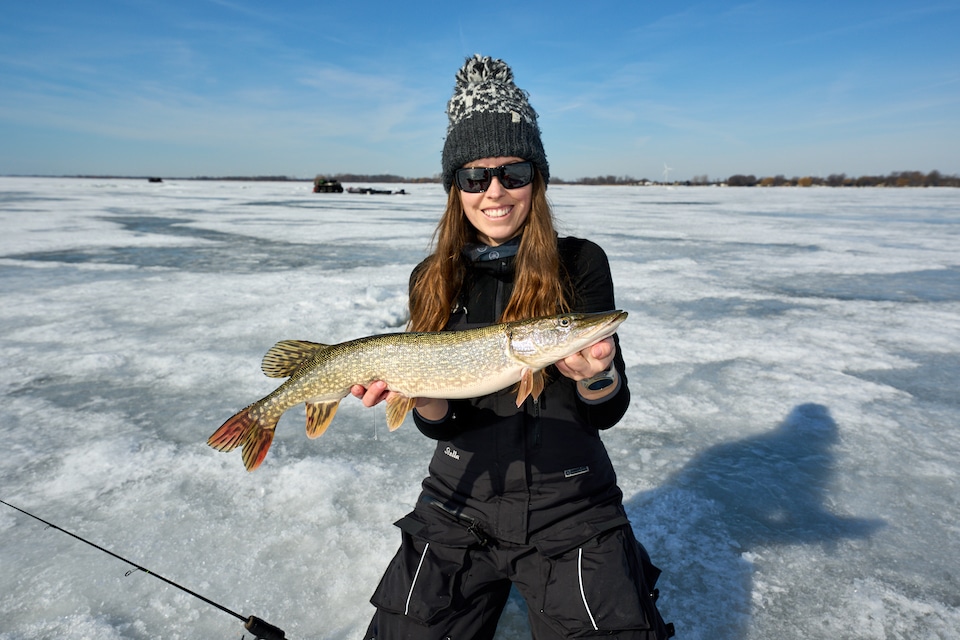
point(594, 327)
point(607, 323)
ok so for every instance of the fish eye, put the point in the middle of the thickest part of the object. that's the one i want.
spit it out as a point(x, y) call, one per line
point(564, 322)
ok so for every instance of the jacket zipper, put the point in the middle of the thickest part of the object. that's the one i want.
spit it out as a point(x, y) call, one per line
point(537, 430)
point(498, 311)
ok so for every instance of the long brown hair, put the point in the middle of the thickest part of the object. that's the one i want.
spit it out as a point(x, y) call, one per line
point(538, 286)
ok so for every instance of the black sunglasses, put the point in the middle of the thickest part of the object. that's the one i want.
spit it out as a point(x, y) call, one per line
point(511, 176)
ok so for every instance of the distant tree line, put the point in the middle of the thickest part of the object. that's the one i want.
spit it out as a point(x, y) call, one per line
point(382, 177)
point(601, 180)
point(246, 178)
point(895, 179)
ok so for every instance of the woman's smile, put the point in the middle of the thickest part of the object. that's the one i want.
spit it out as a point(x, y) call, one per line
point(497, 213)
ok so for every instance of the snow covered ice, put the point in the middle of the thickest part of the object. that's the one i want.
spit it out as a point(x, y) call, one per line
point(789, 458)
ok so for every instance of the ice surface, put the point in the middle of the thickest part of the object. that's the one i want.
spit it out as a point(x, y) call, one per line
point(789, 459)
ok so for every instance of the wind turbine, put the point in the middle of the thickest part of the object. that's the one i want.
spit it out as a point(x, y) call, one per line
point(666, 172)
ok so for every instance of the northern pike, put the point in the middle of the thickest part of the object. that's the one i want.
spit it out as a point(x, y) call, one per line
point(439, 364)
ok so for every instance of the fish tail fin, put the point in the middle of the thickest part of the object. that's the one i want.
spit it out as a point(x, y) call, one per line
point(248, 430)
point(531, 384)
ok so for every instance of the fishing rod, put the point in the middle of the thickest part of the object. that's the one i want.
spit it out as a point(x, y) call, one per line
point(259, 628)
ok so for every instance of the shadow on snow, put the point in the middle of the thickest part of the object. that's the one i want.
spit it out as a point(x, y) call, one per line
point(736, 498)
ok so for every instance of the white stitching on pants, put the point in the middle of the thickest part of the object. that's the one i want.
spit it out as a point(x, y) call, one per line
point(406, 609)
point(583, 596)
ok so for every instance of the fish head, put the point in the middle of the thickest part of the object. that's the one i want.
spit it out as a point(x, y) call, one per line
point(540, 342)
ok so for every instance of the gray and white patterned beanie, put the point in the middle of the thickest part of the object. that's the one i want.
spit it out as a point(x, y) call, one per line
point(489, 117)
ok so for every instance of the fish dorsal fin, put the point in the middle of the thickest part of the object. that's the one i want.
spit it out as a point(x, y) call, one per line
point(397, 408)
point(319, 416)
point(283, 358)
point(531, 384)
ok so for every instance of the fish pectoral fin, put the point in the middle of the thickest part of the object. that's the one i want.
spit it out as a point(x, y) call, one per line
point(531, 384)
point(285, 357)
point(397, 408)
point(319, 416)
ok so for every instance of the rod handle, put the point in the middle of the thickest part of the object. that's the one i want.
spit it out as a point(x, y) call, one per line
point(263, 630)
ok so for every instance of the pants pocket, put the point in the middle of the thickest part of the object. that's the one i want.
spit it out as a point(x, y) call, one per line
point(599, 586)
point(419, 582)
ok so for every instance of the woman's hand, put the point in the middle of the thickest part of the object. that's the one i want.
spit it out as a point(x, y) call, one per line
point(429, 408)
point(588, 362)
point(595, 359)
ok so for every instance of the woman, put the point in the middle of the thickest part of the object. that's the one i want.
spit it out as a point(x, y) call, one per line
point(523, 497)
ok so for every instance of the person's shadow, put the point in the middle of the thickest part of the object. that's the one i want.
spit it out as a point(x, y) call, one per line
point(702, 524)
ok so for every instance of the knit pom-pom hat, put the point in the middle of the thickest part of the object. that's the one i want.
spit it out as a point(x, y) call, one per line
point(490, 117)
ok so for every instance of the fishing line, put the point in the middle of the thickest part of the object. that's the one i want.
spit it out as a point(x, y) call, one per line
point(259, 628)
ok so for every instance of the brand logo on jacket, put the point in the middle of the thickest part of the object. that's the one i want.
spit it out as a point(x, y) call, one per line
point(453, 453)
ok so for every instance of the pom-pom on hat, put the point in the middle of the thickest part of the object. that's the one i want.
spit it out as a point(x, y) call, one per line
point(490, 116)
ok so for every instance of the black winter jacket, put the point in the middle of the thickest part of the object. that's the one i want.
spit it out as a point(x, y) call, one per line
point(524, 473)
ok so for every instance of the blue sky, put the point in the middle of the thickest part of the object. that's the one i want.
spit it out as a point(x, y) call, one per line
point(235, 87)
